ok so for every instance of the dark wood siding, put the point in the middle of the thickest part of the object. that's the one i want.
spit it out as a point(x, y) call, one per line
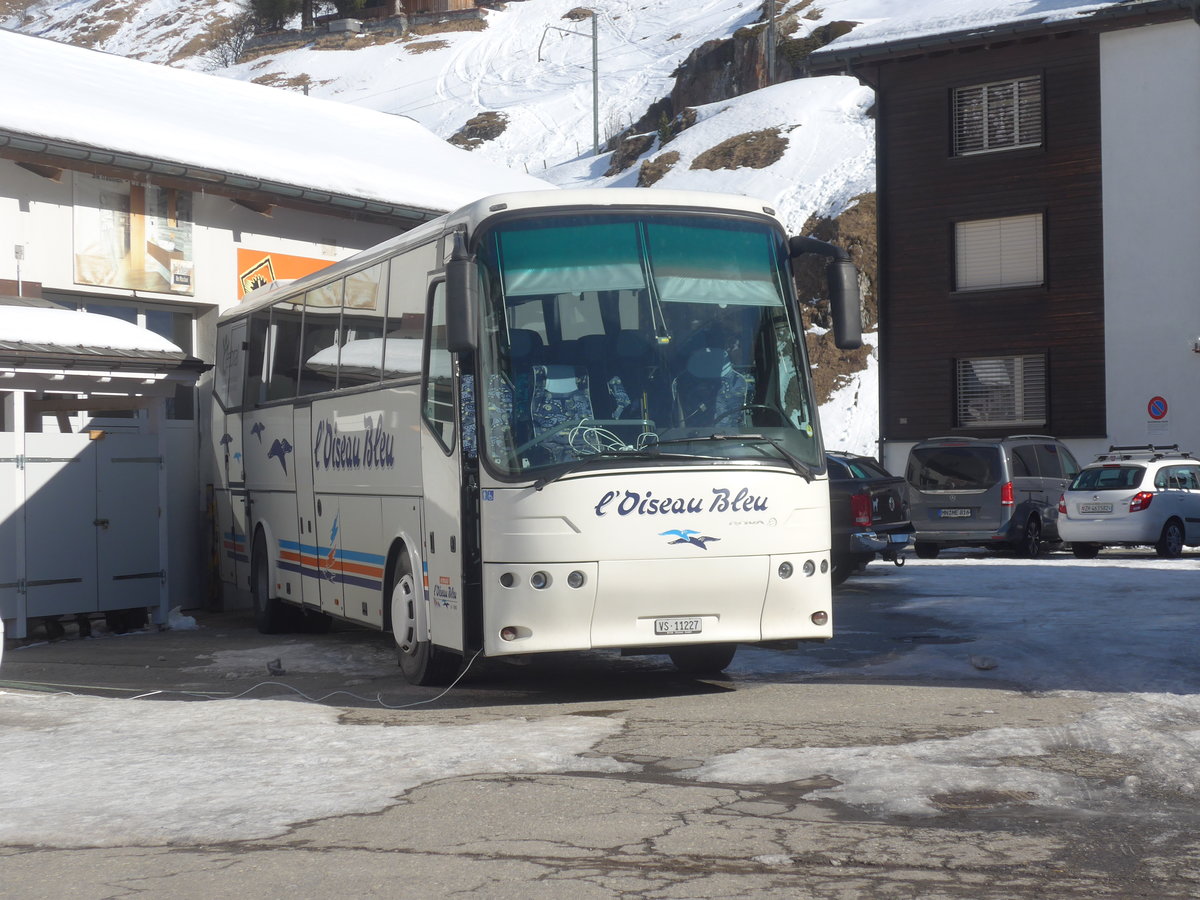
point(923, 191)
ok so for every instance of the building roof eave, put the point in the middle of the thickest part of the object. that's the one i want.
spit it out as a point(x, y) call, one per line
point(49, 152)
point(833, 58)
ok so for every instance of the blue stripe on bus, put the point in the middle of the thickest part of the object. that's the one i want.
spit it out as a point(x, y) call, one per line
point(328, 575)
point(318, 550)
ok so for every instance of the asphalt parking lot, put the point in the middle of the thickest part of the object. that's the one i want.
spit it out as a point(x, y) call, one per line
point(968, 733)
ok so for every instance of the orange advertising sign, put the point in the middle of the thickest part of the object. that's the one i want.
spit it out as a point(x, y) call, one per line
point(258, 267)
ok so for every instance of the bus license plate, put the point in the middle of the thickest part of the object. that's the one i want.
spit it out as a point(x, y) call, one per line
point(1093, 508)
point(678, 626)
point(954, 513)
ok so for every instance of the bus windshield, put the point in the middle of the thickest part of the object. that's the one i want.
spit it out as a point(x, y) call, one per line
point(640, 334)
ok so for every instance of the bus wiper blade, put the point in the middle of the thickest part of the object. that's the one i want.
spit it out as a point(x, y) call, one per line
point(799, 465)
point(649, 452)
point(796, 463)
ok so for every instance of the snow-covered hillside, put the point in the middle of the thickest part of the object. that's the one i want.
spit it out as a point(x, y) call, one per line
point(532, 64)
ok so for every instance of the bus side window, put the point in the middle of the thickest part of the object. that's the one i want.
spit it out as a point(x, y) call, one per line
point(228, 380)
point(405, 326)
point(438, 407)
point(285, 352)
point(319, 347)
point(256, 358)
point(363, 316)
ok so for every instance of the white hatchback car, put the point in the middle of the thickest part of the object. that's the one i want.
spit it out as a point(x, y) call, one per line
point(1133, 496)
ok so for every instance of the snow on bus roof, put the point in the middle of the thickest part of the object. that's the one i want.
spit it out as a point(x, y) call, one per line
point(93, 99)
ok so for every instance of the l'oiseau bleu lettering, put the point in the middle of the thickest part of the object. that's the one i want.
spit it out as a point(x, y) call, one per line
point(635, 503)
point(373, 448)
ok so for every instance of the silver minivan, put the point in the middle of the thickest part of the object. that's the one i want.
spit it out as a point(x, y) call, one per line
point(987, 492)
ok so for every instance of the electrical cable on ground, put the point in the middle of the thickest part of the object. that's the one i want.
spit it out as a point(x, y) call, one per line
point(221, 695)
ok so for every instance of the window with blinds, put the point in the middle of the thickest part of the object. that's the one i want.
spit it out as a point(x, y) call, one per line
point(1000, 390)
point(1003, 115)
point(998, 253)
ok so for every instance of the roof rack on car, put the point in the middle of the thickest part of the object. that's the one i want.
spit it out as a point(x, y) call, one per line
point(1149, 452)
point(1045, 437)
point(953, 437)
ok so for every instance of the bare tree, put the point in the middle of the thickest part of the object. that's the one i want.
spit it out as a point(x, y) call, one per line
point(230, 40)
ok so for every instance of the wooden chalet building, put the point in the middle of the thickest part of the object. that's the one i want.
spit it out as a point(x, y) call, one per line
point(1039, 226)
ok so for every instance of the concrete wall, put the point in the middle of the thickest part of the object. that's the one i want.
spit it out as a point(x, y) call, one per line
point(1150, 92)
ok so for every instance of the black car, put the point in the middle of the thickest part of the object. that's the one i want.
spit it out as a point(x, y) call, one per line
point(868, 513)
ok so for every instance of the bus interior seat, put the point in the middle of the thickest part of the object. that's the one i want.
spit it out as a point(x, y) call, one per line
point(630, 382)
point(710, 389)
point(594, 357)
point(561, 395)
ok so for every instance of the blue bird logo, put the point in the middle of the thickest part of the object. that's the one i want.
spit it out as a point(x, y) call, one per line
point(280, 449)
point(687, 536)
point(226, 439)
point(258, 430)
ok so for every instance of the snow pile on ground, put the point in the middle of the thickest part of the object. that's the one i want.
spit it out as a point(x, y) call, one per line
point(168, 787)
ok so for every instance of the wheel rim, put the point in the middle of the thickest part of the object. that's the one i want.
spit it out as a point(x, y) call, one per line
point(1033, 537)
point(404, 614)
point(1173, 539)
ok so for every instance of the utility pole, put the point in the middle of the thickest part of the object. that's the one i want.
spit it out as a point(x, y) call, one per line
point(595, 74)
point(769, 50)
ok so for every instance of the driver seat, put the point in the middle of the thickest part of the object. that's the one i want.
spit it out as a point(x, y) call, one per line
point(710, 389)
point(561, 394)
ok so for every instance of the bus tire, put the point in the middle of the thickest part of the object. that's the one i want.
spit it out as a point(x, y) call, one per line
point(420, 661)
point(269, 614)
point(703, 659)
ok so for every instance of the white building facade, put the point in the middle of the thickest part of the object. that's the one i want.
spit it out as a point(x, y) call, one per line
point(70, 237)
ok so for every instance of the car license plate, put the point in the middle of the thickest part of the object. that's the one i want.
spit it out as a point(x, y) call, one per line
point(678, 626)
point(1086, 508)
point(958, 513)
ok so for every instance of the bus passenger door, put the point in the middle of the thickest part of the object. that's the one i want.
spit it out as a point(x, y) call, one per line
point(441, 477)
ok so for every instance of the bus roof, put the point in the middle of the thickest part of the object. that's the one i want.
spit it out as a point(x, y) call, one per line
point(475, 214)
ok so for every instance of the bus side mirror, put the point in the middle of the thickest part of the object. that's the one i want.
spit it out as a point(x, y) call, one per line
point(844, 303)
point(462, 299)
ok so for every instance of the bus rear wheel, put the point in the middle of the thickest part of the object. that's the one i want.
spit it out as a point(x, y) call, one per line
point(703, 659)
point(420, 661)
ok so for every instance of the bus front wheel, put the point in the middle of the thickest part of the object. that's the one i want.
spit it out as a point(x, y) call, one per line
point(269, 614)
point(419, 660)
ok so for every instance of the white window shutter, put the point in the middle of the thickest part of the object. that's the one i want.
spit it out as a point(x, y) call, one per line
point(995, 253)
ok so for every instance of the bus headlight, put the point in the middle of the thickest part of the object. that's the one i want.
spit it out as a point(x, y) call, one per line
point(785, 570)
point(539, 580)
point(809, 567)
point(576, 579)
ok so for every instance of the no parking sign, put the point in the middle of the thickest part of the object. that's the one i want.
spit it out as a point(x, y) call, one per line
point(1157, 408)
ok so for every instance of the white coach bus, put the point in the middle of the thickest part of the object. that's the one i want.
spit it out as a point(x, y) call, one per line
point(556, 420)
